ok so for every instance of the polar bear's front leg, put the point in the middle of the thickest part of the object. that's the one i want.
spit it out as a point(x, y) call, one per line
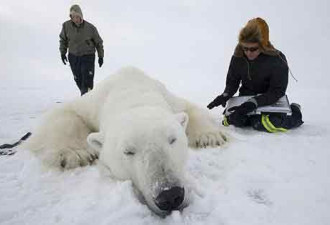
point(61, 142)
point(202, 131)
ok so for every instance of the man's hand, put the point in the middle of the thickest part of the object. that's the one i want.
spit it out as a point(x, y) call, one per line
point(220, 100)
point(100, 61)
point(64, 59)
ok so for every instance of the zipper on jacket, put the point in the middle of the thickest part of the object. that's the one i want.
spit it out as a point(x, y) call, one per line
point(248, 64)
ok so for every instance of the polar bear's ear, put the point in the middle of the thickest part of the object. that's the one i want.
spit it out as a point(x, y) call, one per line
point(95, 140)
point(183, 119)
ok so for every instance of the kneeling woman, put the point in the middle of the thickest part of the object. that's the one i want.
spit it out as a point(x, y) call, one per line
point(258, 69)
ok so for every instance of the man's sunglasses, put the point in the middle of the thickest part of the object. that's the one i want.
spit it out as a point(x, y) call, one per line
point(252, 49)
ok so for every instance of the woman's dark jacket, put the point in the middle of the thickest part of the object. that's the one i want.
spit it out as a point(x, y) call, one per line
point(267, 75)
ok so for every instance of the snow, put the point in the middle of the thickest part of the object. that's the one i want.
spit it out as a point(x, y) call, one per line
point(258, 178)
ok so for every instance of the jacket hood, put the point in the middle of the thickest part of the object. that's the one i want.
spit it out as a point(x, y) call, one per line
point(76, 10)
point(256, 30)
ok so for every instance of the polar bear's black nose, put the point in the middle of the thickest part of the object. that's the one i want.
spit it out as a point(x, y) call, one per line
point(170, 199)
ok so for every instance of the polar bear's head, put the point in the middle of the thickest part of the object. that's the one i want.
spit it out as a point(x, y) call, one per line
point(148, 147)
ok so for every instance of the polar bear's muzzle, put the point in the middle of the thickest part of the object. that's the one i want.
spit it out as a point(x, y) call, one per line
point(170, 199)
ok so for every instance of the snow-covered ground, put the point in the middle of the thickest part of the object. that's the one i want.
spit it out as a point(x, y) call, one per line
point(258, 178)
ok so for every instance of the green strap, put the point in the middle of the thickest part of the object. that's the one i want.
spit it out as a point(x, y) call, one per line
point(269, 126)
point(225, 121)
point(266, 124)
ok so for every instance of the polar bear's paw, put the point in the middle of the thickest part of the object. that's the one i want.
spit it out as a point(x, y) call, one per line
point(207, 139)
point(77, 158)
point(69, 159)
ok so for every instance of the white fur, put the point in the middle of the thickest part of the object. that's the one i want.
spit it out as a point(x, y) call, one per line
point(139, 130)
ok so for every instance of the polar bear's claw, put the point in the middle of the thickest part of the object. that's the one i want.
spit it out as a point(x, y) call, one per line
point(63, 163)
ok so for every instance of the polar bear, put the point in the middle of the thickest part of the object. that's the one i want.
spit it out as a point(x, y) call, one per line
point(136, 128)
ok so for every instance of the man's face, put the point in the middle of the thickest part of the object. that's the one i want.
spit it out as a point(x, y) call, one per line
point(76, 19)
point(251, 50)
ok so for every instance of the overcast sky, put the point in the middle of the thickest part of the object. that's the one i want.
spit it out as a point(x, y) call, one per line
point(188, 42)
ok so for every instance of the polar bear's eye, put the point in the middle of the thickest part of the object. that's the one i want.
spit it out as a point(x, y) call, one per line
point(129, 151)
point(172, 140)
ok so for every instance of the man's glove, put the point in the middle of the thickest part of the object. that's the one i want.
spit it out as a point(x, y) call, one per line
point(239, 117)
point(220, 100)
point(100, 61)
point(64, 59)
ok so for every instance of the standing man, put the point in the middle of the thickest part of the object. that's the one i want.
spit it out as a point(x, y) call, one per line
point(82, 39)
